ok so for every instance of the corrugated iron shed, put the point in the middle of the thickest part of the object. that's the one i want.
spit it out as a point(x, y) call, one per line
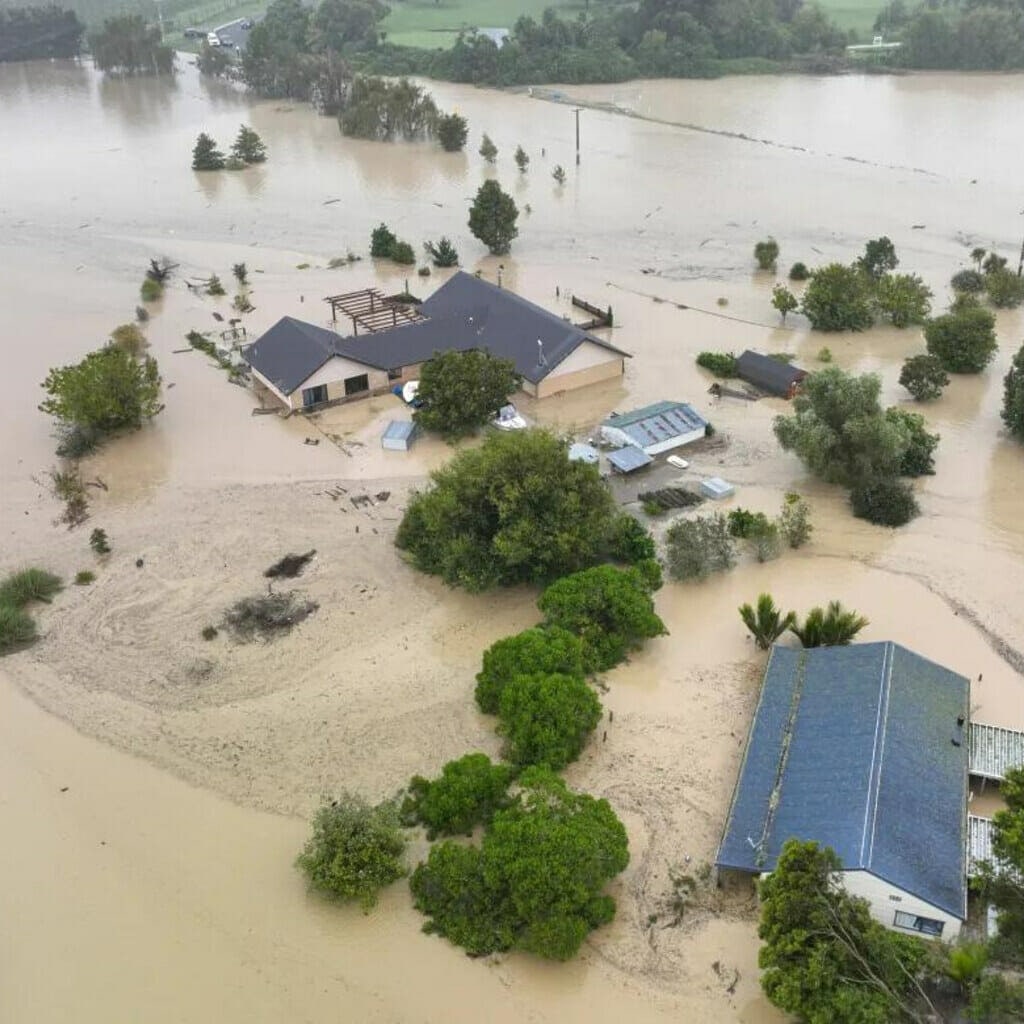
point(653, 424)
point(629, 459)
point(994, 750)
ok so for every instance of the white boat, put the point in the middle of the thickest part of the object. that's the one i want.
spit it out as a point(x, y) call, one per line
point(508, 418)
point(678, 462)
point(409, 390)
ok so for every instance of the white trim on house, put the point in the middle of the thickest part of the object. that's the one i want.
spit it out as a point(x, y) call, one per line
point(887, 900)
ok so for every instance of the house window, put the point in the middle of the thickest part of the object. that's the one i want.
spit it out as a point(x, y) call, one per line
point(395, 374)
point(314, 396)
point(914, 923)
point(353, 385)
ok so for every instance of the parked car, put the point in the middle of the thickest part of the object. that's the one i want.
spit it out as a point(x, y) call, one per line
point(194, 33)
point(212, 39)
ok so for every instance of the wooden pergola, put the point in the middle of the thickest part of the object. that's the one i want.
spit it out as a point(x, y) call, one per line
point(370, 310)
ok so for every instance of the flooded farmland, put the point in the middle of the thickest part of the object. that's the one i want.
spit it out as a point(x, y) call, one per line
point(161, 879)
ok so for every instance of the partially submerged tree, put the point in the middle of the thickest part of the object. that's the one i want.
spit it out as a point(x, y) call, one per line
point(1005, 288)
point(611, 610)
point(766, 253)
point(522, 159)
point(376, 108)
point(535, 883)
point(443, 254)
point(1013, 396)
point(834, 626)
point(514, 510)
point(126, 45)
point(695, 548)
point(467, 793)
point(537, 651)
point(784, 300)
point(838, 298)
point(795, 521)
point(924, 377)
point(766, 622)
point(462, 391)
point(559, 174)
point(451, 131)
point(879, 258)
point(903, 299)
point(884, 500)
point(964, 339)
point(492, 218)
point(918, 456)
point(488, 150)
point(355, 850)
point(248, 146)
point(205, 154)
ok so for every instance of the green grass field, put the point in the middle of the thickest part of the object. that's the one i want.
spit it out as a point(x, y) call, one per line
point(856, 14)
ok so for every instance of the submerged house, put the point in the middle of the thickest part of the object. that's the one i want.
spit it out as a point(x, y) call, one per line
point(655, 428)
point(768, 374)
point(863, 749)
point(303, 366)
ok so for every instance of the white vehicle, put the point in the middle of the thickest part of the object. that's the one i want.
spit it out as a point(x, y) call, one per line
point(679, 463)
point(212, 39)
point(508, 418)
point(409, 390)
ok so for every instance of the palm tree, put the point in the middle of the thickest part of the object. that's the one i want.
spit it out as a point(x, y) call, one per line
point(766, 622)
point(834, 627)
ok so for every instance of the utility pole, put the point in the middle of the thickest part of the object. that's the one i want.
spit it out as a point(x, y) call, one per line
point(577, 112)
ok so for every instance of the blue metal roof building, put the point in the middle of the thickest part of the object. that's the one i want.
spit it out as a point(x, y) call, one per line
point(863, 749)
point(656, 428)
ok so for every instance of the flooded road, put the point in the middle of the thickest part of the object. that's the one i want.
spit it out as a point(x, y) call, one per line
point(659, 220)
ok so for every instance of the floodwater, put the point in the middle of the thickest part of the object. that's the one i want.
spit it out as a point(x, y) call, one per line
point(159, 901)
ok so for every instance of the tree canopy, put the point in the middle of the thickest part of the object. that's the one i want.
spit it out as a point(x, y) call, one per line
point(462, 391)
point(126, 45)
point(611, 610)
point(1013, 396)
point(964, 339)
point(467, 793)
point(696, 548)
point(924, 377)
point(540, 650)
point(535, 882)
point(838, 298)
point(36, 33)
point(514, 510)
point(492, 218)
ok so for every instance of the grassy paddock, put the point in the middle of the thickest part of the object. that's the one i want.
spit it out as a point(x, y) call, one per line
point(856, 14)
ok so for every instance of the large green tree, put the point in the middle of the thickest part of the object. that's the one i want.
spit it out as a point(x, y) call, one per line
point(514, 510)
point(466, 794)
point(547, 719)
point(1013, 396)
point(963, 339)
point(696, 548)
point(462, 391)
point(126, 45)
point(838, 298)
point(879, 258)
point(536, 881)
point(492, 218)
point(924, 377)
point(903, 299)
point(339, 24)
point(451, 131)
point(108, 390)
point(538, 650)
point(824, 958)
point(611, 610)
point(36, 33)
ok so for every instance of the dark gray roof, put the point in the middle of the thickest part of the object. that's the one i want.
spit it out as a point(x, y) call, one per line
point(870, 768)
point(464, 313)
point(769, 374)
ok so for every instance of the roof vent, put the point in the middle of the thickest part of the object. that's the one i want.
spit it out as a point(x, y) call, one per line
point(541, 361)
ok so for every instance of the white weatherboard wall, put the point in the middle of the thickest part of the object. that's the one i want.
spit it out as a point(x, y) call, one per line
point(886, 899)
point(613, 435)
point(273, 390)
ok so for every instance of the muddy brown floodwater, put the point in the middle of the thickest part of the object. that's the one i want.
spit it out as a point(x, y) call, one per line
point(155, 788)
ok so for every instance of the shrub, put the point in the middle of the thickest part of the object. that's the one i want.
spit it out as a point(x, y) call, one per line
point(997, 1001)
point(767, 543)
point(884, 501)
point(746, 524)
point(16, 627)
point(1013, 396)
point(267, 615)
point(609, 609)
point(468, 793)
point(451, 131)
point(129, 338)
point(969, 281)
point(630, 541)
point(924, 377)
point(547, 719)
point(918, 456)
point(838, 298)
point(964, 341)
point(1005, 289)
point(209, 632)
point(765, 621)
point(795, 521)
point(766, 253)
point(824, 355)
point(403, 252)
point(835, 626)
point(22, 588)
point(559, 174)
point(904, 299)
point(151, 290)
point(248, 148)
point(721, 364)
point(214, 287)
point(141, 314)
point(488, 150)
point(84, 577)
point(355, 850)
point(382, 241)
point(522, 159)
point(799, 272)
point(98, 542)
point(290, 566)
point(695, 548)
point(443, 254)
point(205, 154)
point(539, 650)
point(241, 273)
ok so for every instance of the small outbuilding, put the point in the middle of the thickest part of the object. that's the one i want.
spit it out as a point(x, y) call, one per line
point(768, 374)
point(399, 436)
point(716, 488)
point(629, 459)
point(655, 428)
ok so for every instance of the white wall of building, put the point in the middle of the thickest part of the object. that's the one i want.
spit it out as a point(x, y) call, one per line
point(583, 358)
point(615, 436)
point(886, 900)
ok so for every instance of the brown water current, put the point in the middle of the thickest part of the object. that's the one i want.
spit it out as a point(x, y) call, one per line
point(158, 884)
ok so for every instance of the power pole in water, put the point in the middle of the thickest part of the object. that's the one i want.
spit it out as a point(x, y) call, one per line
point(577, 112)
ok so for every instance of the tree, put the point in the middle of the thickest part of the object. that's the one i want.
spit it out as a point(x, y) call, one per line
point(276, 61)
point(884, 501)
point(468, 793)
point(918, 455)
point(835, 626)
point(1003, 877)
point(461, 391)
point(784, 300)
point(695, 548)
point(337, 25)
point(98, 541)
point(969, 281)
point(39, 33)
point(838, 298)
point(559, 174)
point(382, 242)
point(1013, 396)
point(536, 881)
point(126, 45)
point(241, 272)
point(488, 150)
point(355, 850)
point(924, 377)
point(514, 510)
point(630, 541)
point(248, 146)
point(492, 218)
point(964, 340)
point(978, 255)
point(993, 263)
point(547, 719)
point(205, 155)
point(108, 390)
point(823, 957)
point(536, 651)
point(522, 159)
point(1005, 288)
point(795, 521)
point(798, 272)
point(721, 364)
point(442, 254)
point(375, 108)
point(879, 258)
point(903, 299)
point(997, 1001)
point(214, 61)
point(611, 610)
point(766, 622)
point(766, 253)
point(451, 131)
point(130, 338)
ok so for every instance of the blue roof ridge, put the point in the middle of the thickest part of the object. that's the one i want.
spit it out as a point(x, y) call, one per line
point(877, 756)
